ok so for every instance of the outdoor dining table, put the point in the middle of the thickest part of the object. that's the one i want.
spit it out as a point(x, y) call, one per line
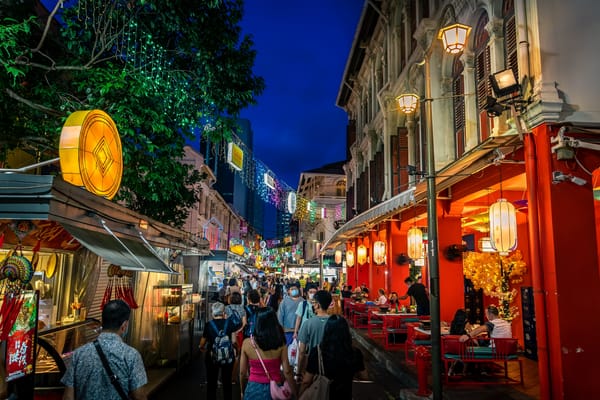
point(443, 331)
point(387, 317)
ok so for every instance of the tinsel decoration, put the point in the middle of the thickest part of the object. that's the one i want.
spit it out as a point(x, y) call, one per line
point(494, 274)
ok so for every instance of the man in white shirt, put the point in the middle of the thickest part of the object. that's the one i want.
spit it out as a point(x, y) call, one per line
point(495, 327)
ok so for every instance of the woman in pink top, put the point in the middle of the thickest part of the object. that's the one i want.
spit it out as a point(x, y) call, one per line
point(268, 341)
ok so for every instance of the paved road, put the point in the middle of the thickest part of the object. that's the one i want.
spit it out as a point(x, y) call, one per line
point(189, 384)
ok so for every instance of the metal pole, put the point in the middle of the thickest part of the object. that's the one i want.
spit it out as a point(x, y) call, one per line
point(432, 243)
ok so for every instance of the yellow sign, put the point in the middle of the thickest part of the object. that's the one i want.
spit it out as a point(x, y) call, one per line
point(235, 156)
point(90, 152)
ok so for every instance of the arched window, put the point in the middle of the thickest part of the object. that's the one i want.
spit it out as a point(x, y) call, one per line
point(482, 73)
point(340, 188)
point(510, 36)
point(458, 92)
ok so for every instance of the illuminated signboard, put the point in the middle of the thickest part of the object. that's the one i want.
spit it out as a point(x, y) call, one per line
point(235, 156)
point(20, 342)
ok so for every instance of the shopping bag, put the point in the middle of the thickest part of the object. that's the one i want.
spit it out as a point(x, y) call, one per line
point(293, 353)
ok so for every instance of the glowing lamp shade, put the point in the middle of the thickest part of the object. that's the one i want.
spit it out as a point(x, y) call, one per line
point(415, 243)
point(503, 226)
point(408, 102)
point(349, 258)
point(361, 254)
point(379, 252)
point(454, 37)
point(338, 257)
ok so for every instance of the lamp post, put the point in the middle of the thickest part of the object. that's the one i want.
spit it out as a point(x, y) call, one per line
point(454, 38)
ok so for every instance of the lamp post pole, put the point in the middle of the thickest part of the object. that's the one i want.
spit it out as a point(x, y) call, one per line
point(432, 242)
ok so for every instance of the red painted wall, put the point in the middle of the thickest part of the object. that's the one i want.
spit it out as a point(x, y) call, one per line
point(452, 288)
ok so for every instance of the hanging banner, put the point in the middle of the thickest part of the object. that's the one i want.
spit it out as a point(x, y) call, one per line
point(21, 340)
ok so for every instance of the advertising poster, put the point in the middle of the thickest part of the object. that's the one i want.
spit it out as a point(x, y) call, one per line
point(21, 339)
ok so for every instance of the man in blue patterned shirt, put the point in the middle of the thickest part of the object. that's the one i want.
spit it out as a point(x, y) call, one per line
point(86, 378)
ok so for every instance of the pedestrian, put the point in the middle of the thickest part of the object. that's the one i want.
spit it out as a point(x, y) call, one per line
point(311, 331)
point(86, 377)
point(287, 312)
point(418, 292)
point(212, 332)
point(268, 343)
point(341, 361)
point(251, 309)
point(304, 311)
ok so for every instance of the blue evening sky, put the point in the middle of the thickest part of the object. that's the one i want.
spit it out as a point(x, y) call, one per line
point(302, 47)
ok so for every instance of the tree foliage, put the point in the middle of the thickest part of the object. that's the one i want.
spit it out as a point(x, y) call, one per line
point(166, 71)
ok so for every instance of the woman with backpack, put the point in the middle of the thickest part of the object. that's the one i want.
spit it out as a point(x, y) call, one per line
point(219, 345)
point(263, 356)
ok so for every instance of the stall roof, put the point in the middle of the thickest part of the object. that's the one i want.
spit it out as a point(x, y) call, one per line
point(83, 214)
point(126, 253)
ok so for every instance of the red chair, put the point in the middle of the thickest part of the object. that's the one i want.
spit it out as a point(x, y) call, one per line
point(393, 329)
point(414, 339)
point(375, 323)
point(360, 316)
point(505, 350)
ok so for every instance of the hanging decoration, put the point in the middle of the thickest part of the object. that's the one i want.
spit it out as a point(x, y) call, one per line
point(337, 257)
point(350, 258)
point(415, 243)
point(503, 226)
point(379, 255)
point(494, 274)
point(119, 286)
point(361, 254)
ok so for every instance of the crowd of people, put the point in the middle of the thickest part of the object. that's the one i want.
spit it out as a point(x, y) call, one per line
point(277, 315)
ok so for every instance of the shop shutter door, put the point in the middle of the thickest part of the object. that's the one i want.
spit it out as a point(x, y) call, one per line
point(95, 311)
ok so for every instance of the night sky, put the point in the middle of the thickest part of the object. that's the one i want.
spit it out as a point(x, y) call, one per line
point(302, 47)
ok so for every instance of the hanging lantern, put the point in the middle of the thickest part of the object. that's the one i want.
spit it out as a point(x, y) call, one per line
point(415, 243)
point(379, 252)
point(361, 254)
point(338, 257)
point(503, 226)
point(349, 258)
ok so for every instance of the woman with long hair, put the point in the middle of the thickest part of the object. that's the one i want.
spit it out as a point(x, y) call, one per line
point(460, 324)
point(341, 361)
point(263, 356)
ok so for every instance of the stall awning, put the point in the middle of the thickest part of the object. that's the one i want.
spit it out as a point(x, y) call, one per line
point(369, 217)
point(126, 253)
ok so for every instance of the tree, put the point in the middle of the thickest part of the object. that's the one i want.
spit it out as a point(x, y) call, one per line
point(166, 72)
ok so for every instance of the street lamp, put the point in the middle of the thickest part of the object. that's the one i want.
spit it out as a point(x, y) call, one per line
point(454, 38)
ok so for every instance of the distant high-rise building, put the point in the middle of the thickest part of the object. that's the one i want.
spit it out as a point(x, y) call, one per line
point(230, 184)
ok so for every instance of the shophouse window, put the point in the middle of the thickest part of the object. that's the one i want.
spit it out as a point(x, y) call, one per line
point(510, 36)
point(482, 73)
point(458, 92)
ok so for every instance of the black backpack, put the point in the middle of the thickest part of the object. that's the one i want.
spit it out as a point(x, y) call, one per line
point(222, 349)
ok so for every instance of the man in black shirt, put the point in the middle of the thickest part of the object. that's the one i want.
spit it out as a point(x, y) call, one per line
point(418, 292)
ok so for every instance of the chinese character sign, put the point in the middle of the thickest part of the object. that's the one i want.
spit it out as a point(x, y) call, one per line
point(19, 346)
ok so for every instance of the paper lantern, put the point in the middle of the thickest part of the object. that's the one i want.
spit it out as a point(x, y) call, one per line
point(361, 254)
point(349, 258)
point(338, 257)
point(415, 243)
point(379, 252)
point(503, 226)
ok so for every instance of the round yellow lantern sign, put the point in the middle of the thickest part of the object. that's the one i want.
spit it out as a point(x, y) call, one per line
point(90, 152)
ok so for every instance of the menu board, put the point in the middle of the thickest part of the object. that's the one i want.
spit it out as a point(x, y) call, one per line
point(21, 339)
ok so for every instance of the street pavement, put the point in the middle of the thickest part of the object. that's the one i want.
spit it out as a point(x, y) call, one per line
point(190, 383)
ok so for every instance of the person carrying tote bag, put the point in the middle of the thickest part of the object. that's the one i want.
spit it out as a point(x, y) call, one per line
point(319, 388)
point(336, 360)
